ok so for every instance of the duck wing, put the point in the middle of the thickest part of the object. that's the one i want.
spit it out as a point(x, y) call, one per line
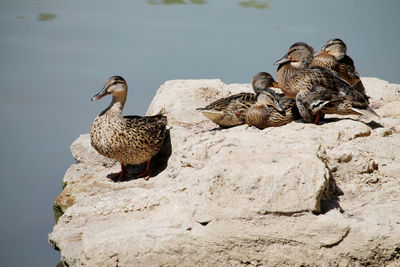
point(153, 127)
point(230, 102)
point(348, 71)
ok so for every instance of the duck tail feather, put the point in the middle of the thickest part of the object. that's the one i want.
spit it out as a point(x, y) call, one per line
point(161, 112)
point(211, 111)
point(367, 112)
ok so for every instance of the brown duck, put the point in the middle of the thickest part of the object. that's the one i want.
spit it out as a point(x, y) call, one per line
point(262, 115)
point(229, 111)
point(305, 84)
point(127, 139)
point(291, 66)
point(333, 56)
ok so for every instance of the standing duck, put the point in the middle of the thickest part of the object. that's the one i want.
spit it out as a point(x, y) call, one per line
point(262, 115)
point(229, 111)
point(333, 56)
point(297, 81)
point(127, 139)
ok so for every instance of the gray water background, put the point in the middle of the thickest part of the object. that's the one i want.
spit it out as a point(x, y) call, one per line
point(55, 54)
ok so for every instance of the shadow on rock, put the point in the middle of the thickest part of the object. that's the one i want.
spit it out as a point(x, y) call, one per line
point(329, 198)
point(372, 124)
point(158, 163)
point(219, 128)
point(327, 205)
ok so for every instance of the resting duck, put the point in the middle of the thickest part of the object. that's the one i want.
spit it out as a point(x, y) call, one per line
point(229, 111)
point(290, 67)
point(296, 80)
point(262, 115)
point(129, 139)
point(333, 56)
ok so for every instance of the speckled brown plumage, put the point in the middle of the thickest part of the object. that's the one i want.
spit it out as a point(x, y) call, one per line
point(333, 56)
point(128, 139)
point(295, 77)
point(289, 71)
point(224, 111)
point(320, 100)
point(263, 116)
point(228, 111)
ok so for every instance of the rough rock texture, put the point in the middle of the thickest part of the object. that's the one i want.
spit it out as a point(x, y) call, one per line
point(300, 195)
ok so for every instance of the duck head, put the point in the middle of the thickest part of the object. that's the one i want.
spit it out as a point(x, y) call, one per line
point(334, 47)
point(267, 97)
point(299, 56)
point(263, 80)
point(115, 86)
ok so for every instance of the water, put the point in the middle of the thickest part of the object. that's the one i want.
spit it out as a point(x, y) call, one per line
point(54, 55)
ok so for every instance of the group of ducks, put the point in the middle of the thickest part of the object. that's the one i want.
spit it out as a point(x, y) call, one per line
point(313, 84)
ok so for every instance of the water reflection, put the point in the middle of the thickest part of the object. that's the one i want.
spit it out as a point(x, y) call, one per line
point(198, 2)
point(254, 4)
point(245, 4)
point(46, 16)
point(176, 2)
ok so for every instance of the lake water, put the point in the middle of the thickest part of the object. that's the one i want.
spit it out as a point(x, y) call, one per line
point(55, 55)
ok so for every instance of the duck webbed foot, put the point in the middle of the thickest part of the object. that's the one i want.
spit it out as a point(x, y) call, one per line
point(120, 176)
point(319, 116)
point(241, 114)
point(146, 173)
point(312, 103)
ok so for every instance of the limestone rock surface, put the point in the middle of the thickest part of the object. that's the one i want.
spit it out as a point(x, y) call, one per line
point(297, 195)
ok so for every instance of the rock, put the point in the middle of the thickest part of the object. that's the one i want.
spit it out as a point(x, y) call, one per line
point(181, 98)
point(83, 152)
point(300, 194)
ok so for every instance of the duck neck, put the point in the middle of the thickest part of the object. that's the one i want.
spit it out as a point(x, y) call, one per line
point(118, 103)
point(116, 106)
point(285, 73)
point(303, 64)
point(324, 60)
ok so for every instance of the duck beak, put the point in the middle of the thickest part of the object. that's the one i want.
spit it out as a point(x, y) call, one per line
point(275, 84)
point(282, 60)
point(277, 106)
point(100, 94)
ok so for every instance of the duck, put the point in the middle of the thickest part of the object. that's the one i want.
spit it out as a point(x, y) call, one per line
point(127, 139)
point(230, 111)
point(290, 68)
point(333, 55)
point(263, 80)
point(297, 79)
point(262, 115)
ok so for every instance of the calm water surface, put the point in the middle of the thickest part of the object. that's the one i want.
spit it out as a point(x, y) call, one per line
point(54, 55)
